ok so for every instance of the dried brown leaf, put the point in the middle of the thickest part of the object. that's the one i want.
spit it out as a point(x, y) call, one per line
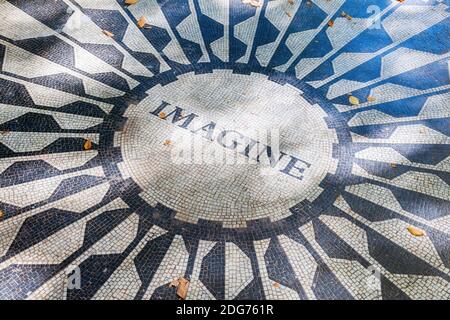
point(108, 33)
point(87, 145)
point(162, 115)
point(141, 22)
point(182, 288)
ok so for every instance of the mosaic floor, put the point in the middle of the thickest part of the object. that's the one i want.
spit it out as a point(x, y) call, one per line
point(332, 117)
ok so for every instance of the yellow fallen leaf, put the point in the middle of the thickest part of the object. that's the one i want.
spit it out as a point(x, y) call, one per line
point(288, 14)
point(371, 99)
point(87, 145)
point(349, 17)
point(167, 142)
point(353, 100)
point(108, 33)
point(393, 165)
point(416, 231)
point(131, 1)
point(162, 115)
point(291, 1)
point(142, 22)
point(330, 23)
point(276, 284)
point(2, 214)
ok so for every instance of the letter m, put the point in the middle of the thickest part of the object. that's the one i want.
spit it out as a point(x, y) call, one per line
point(176, 114)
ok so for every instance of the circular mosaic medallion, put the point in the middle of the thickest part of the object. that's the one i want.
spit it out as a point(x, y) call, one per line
point(229, 148)
point(260, 150)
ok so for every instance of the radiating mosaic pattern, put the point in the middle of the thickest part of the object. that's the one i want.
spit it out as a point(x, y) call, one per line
point(93, 108)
